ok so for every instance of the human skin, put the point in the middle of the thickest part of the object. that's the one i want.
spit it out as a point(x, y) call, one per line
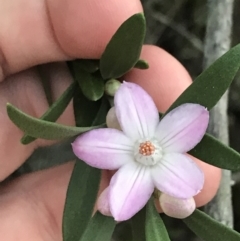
point(40, 32)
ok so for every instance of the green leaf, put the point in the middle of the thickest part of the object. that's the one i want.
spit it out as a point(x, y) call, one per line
point(91, 84)
point(102, 112)
point(88, 112)
point(85, 110)
point(209, 86)
point(123, 50)
point(209, 229)
point(100, 228)
point(89, 65)
point(55, 110)
point(155, 228)
point(138, 225)
point(141, 64)
point(81, 196)
point(43, 129)
point(212, 151)
point(46, 83)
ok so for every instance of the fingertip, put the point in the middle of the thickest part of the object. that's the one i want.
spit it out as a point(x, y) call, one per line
point(165, 79)
point(51, 31)
point(212, 181)
point(83, 28)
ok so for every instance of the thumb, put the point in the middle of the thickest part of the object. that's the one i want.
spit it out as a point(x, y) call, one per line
point(35, 32)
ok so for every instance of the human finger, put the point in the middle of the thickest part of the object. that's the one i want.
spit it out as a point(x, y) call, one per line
point(36, 32)
point(25, 90)
point(32, 205)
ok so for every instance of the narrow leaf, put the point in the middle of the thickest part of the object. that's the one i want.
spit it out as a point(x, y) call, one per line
point(89, 65)
point(100, 228)
point(141, 64)
point(46, 83)
point(55, 110)
point(209, 86)
point(85, 110)
point(138, 225)
point(81, 196)
point(123, 50)
point(102, 113)
point(212, 151)
point(155, 228)
point(209, 229)
point(43, 129)
point(92, 85)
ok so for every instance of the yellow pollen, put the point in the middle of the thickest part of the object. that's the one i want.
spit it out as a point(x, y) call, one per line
point(146, 148)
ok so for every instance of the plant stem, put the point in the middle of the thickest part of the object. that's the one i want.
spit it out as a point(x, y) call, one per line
point(217, 42)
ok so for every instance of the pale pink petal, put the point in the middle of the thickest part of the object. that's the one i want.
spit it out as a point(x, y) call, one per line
point(130, 189)
point(178, 176)
point(103, 203)
point(104, 148)
point(136, 112)
point(182, 128)
point(111, 119)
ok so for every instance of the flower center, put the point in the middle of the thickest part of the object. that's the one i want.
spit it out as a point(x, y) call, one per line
point(147, 152)
point(146, 148)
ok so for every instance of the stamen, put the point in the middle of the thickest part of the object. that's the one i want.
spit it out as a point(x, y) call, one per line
point(147, 152)
point(146, 148)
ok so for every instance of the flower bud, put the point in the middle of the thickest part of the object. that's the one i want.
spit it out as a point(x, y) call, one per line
point(111, 119)
point(175, 207)
point(103, 203)
point(112, 86)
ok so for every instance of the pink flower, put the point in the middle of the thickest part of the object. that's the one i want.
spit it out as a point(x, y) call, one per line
point(147, 153)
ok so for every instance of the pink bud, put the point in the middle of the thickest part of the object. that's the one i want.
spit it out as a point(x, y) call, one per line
point(175, 207)
point(111, 119)
point(103, 203)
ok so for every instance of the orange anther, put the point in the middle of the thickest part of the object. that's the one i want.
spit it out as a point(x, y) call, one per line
point(146, 148)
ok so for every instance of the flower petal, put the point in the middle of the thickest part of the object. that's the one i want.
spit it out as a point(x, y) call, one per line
point(178, 176)
point(182, 128)
point(103, 203)
point(136, 112)
point(111, 119)
point(130, 189)
point(104, 148)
